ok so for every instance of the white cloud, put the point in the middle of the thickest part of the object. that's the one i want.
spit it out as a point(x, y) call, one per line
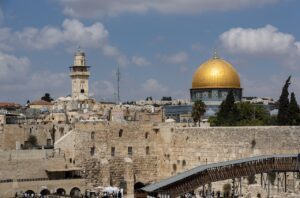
point(111, 51)
point(98, 8)
point(140, 61)
point(261, 40)
point(13, 68)
point(270, 86)
point(71, 33)
point(102, 90)
point(45, 79)
point(35, 85)
point(18, 83)
point(177, 58)
point(5, 38)
point(266, 41)
point(152, 86)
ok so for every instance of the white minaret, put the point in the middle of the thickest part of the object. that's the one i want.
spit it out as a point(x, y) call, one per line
point(79, 74)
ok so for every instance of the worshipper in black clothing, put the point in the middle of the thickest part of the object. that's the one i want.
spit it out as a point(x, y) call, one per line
point(119, 194)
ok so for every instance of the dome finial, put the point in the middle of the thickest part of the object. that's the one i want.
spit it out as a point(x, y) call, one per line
point(216, 55)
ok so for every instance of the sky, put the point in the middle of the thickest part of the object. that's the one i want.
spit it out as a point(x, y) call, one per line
point(157, 44)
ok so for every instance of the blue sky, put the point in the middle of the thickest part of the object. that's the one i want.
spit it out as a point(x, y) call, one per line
point(158, 45)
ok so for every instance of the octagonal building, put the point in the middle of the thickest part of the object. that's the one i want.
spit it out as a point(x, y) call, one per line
point(213, 80)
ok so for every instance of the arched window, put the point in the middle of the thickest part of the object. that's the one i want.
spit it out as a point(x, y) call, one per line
point(93, 135)
point(130, 152)
point(147, 150)
point(113, 151)
point(120, 132)
point(146, 135)
point(92, 151)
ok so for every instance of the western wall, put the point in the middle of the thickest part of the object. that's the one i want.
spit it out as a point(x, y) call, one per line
point(124, 154)
point(159, 151)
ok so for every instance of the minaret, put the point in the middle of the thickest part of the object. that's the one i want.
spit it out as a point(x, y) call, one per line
point(79, 74)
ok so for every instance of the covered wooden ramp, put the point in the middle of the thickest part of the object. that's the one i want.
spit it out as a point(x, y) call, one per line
point(205, 174)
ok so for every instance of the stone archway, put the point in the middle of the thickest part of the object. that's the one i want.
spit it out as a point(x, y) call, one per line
point(45, 192)
point(61, 191)
point(75, 192)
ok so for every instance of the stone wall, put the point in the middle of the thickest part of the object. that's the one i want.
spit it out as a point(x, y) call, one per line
point(111, 153)
point(184, 148)
point(13, 133)
point(173, 149)
point(9, 189)
point(107, 148)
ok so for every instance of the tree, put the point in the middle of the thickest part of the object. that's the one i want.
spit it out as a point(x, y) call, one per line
point(283, 112)
point(198, 111)
point(149, 98)
point(47, 97)
point(252, 114)
point(228, 114)
point(166, 98)
point(31, 141)
point(294, 111)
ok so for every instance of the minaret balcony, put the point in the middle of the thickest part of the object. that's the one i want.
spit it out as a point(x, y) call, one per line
point(80, 73)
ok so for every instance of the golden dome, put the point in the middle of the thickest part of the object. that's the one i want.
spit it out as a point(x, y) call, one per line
point(216, 73)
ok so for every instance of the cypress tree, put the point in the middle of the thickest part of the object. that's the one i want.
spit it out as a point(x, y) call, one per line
point(198, 111)
point(283, 112)
point(294, 110)
point(228, 113)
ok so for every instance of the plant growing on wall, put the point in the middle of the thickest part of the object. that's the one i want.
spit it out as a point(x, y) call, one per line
point(272, 177)
point(226, 190)
point(253, 143)
point(251, 179)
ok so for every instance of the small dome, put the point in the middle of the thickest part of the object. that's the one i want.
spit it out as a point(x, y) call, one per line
point(216, 73)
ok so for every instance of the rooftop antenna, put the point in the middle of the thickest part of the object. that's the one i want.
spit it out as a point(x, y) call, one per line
point(118, 84)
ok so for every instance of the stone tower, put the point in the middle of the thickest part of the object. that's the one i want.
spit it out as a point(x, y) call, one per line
point(79, 74)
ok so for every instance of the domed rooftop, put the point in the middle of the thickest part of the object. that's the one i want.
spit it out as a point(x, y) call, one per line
point(216, 73)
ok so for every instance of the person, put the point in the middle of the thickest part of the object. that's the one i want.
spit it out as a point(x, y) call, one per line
point(119, 194)
point(105, 195)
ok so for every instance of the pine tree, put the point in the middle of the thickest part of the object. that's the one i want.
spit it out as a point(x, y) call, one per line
point(283, 112)
point(198, 111)
point(228, 113)
point(47, 97)
point(294, 111)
